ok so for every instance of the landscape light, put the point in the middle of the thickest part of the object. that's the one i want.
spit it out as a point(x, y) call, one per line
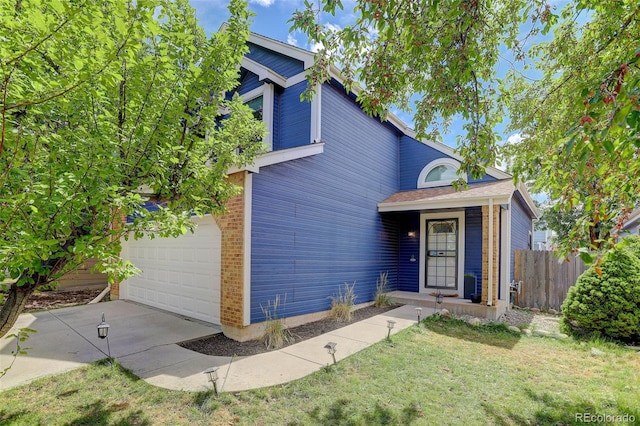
point(331, 348)
point(213, 377)
point(103, 333)
point(390, 324)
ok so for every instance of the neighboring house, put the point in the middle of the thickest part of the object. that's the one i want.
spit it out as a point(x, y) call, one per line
point(543, 239)
point(340, 198)
point(632, 225)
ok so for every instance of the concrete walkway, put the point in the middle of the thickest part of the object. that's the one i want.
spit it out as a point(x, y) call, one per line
point(144, 339)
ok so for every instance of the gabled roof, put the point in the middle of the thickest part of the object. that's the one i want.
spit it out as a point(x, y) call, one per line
point(479, 194)
point(308, 58)
point(295, 52)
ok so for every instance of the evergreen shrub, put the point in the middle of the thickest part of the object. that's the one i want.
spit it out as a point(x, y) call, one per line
point(605, 302)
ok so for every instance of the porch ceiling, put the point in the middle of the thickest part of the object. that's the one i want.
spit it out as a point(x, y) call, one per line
point(446, 197)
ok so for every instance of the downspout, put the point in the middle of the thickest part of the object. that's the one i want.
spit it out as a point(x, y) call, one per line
point(490, 256)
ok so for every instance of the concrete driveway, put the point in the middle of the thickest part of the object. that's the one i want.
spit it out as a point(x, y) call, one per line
point(67, 338)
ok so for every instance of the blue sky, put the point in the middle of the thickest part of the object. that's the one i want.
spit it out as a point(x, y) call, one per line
point(271, 18)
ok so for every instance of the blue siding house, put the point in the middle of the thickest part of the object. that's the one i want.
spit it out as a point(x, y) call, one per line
point(340, 197)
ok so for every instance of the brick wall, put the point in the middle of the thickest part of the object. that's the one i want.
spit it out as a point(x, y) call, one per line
point(231, 225)
point(485, 254)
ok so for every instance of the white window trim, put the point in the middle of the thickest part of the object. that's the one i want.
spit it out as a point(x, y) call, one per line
point(432, 165)
point(460, 215)
point(267, 93)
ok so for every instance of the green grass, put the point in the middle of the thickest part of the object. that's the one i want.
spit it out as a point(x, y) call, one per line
point(442, 372)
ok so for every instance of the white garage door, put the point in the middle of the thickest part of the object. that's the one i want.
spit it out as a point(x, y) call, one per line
point(180, 275)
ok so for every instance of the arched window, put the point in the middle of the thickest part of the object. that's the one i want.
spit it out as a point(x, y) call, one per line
point(440, 172)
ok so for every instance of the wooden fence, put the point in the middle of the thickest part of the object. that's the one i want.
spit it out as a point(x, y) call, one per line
point(545, 278)
point(83, 278)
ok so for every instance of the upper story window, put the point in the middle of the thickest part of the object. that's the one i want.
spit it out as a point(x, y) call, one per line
point(440, 172)
point(257, 105)
point(260, 100)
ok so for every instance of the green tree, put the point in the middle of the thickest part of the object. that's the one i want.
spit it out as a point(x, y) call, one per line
point(562, 222)
point(435, 59)
point(104, 106)
point(580, 119)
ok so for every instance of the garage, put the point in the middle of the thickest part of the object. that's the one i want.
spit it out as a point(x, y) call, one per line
point(180, 275)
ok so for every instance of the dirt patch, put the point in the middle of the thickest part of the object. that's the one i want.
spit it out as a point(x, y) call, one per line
point(220, 345)
point(59, 299)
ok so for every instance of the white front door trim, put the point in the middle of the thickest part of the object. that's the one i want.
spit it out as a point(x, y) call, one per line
point(460, 215)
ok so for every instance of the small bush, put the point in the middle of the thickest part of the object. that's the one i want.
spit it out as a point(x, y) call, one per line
point(342, 304)
point(382, 298)
point(605, 302)
point(275, 333)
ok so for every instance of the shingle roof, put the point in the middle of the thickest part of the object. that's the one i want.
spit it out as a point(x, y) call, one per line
point(500, 188)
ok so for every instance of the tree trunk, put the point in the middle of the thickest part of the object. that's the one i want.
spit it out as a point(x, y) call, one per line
point(14, 304)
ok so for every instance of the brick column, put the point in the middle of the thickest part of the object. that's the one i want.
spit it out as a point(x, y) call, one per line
point(485, 254)
point(117, 224)
point(231, 225)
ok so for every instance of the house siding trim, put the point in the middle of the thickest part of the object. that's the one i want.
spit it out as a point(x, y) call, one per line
point(263, 72)
point(505, 253)
point(460, 216)
point(437, 205)
point(316, 116)
point(280, 156)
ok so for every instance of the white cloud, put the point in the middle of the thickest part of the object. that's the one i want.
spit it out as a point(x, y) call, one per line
point(333, 27)
point(292, 40)
point(263, 3)
point(315, 47)
point(515, 138)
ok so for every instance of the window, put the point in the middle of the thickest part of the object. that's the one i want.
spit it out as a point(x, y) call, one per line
point(440, 172)
point(260, 100)
point(257, 105)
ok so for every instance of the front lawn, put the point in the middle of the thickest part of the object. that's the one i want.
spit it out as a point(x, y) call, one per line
point(443, 372)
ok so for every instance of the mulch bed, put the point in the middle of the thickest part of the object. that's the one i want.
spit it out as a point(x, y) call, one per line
point(220, 345)
point(59, 299)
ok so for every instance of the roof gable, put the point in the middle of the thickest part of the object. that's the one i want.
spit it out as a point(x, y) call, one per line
point(277, 68)
point(276, 61)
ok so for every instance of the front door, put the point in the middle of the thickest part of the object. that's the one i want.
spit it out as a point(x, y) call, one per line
point(441, 266)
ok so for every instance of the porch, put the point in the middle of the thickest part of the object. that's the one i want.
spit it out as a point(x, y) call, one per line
point(444, 235)
point(453, 304)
